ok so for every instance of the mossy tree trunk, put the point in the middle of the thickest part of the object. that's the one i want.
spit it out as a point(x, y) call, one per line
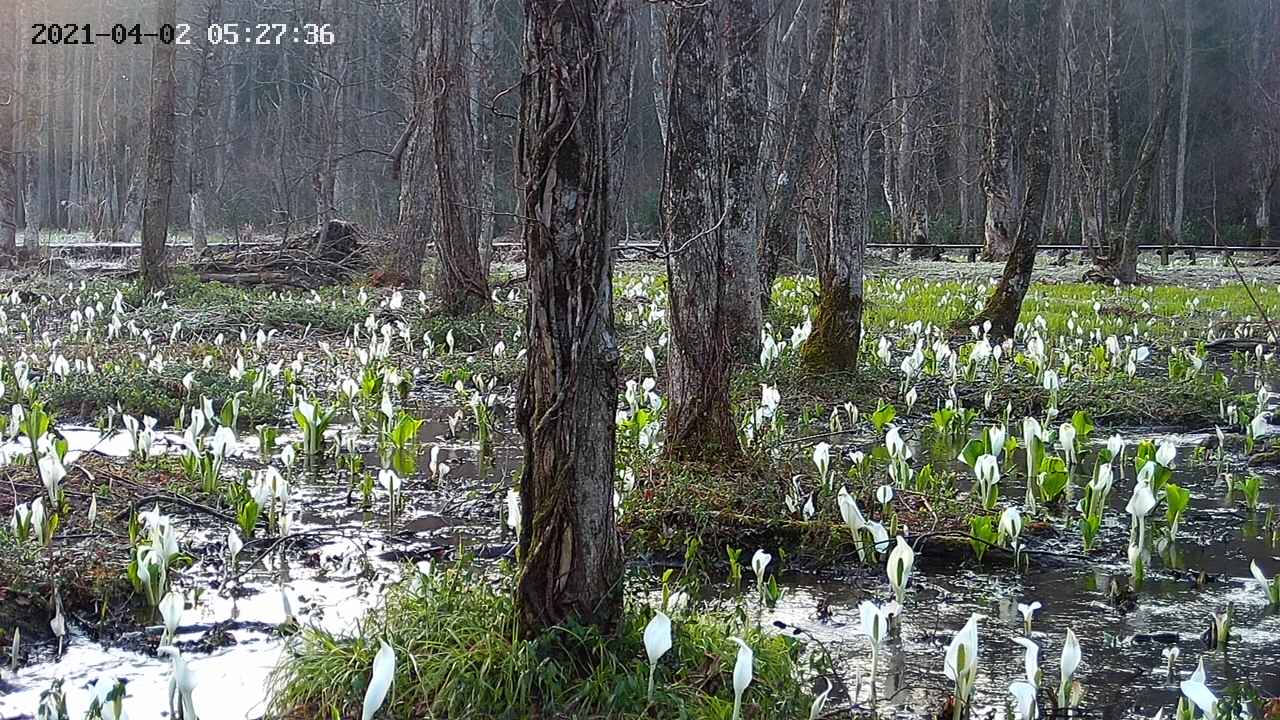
point(700, 423)
point(154, 268)
point(1040, 93)
point(837, 324)
point(570, 551)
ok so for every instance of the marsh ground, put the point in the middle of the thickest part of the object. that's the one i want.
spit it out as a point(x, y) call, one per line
point(1191, 339)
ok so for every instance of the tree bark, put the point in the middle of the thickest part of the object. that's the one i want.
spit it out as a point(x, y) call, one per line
point(1001, 218)
point(700, 424)
point(661, 72)
point(801, 137)
point(154, 269)
point(1263, 75)
point(413, 162)
point(460, 282)
point(570, 551)
point(837, 324)
point(1040, 80)
point(1121, 262)
point(8, 157)
point(742, 87)
point(1180, 176)
point(483, 71)
point(199, 133)
point(620, 26)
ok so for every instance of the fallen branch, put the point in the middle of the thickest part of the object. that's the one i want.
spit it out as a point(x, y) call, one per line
point(174, 500)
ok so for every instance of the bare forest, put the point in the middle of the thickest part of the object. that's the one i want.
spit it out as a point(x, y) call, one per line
point(711, 359)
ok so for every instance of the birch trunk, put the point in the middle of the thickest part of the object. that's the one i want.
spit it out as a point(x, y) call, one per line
point(570, 550)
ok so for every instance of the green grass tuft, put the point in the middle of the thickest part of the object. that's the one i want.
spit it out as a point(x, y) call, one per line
point(459, 655)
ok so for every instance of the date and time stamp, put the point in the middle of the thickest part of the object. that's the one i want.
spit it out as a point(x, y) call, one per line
point(232, 33)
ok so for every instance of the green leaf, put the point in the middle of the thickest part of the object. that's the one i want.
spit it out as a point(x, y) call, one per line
point(972, 451)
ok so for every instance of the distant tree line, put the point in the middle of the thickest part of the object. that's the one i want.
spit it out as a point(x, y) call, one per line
point(1167, 125)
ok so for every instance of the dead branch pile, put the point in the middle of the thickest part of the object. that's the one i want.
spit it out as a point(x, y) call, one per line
point(333, 254)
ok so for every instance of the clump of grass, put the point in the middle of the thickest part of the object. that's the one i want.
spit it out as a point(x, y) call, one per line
point(137, 391)
point(459, 654)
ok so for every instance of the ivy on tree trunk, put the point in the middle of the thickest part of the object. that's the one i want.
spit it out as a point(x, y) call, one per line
point(570, 551)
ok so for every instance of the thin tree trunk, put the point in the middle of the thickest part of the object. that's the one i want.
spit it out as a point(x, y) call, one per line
point(661, 72)
point(198, 135)
point(1122, 263)
point(483, 70)
point(700, 425)
point(837, 325)
point(570, 550)
point(742, 87)
point(1001, 218)
point(8, 157)
point(1040, 78)
point(131, 212)
point(1180, 176)
point(155, 214)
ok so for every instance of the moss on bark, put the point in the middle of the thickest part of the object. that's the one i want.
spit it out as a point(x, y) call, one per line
point(837, 328)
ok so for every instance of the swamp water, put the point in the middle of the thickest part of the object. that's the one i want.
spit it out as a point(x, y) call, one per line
point(344, 556)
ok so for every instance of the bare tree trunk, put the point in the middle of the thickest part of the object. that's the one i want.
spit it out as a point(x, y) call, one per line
point(155, 214)
point(1122, 261)
point(483, 60)
point(620, 26)
point(1180, 176)
point(460, 280)
point(199, 133)
point(31, 213)
point(780, 221)
point(700, 424)
point(8, 156)
point(742, 90)
point(1001, 219)
point(661, 73)
point(1040, 79)
point(413, 160)
point(131, 213)
point(837, 325)
point(1263, 76)
point(570, 551)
